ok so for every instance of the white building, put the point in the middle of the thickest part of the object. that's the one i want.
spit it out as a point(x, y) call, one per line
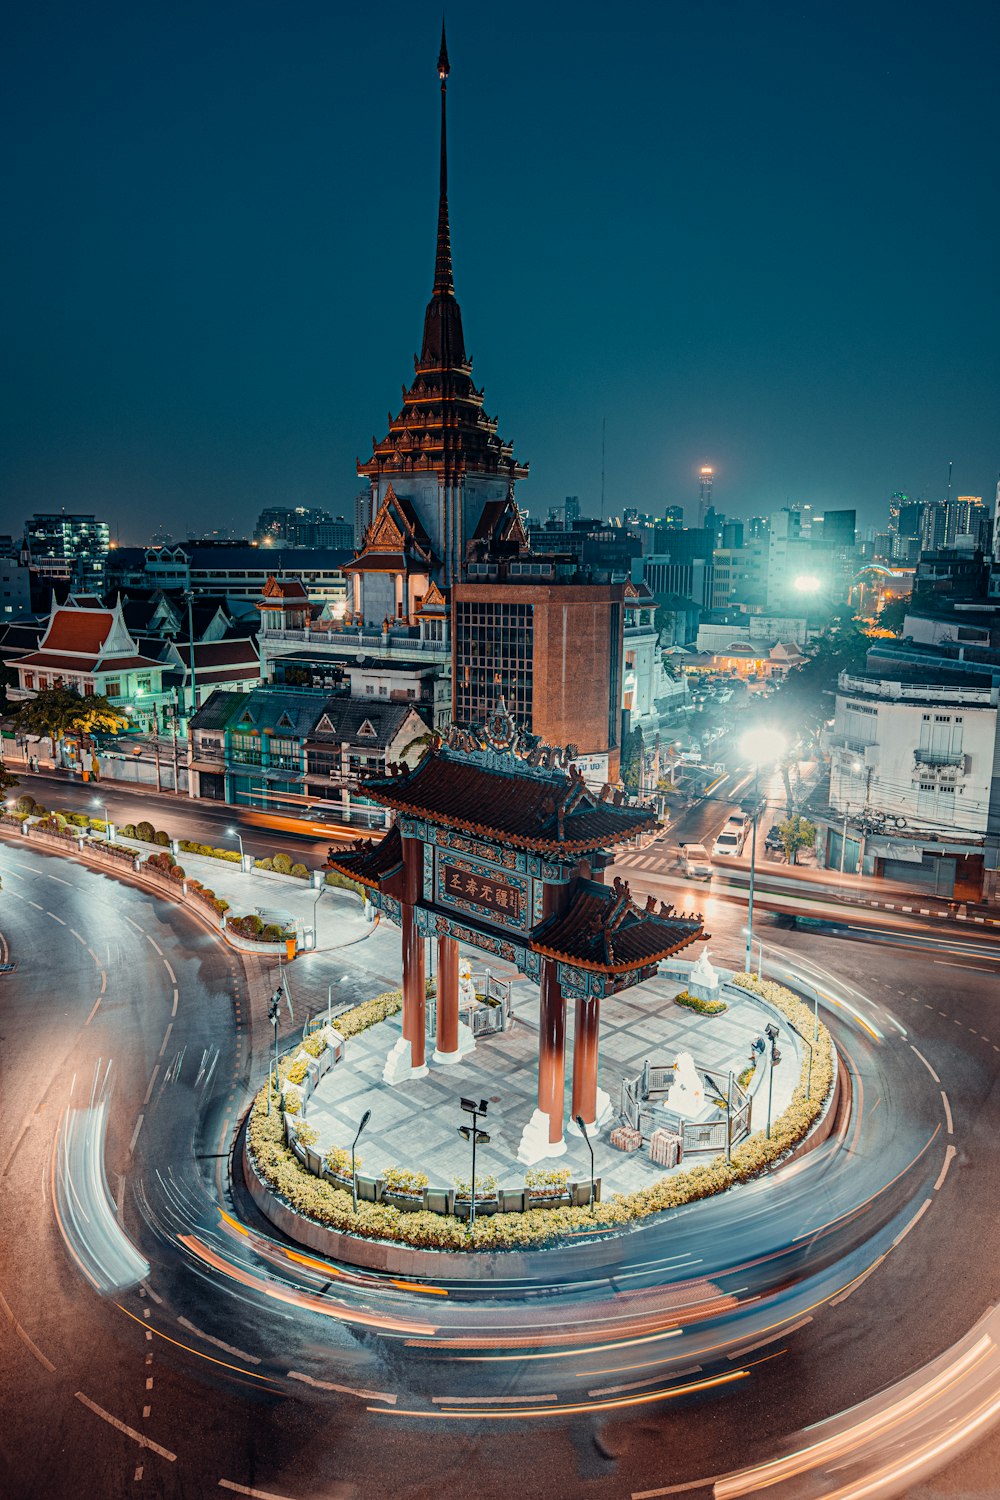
point(923, 757)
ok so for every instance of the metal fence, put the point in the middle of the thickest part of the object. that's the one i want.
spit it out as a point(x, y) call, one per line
point(493, 1013)
point(643, 1105)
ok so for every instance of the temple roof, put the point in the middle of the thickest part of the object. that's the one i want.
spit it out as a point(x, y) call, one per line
point(553, 812)
point(395, 541)
point(368, 862)
point(603, 929)
point(442, 427)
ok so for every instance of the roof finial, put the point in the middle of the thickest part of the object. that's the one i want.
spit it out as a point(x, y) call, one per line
point(443, 281)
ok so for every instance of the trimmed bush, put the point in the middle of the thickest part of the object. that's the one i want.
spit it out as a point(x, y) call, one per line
point(328, 1204)
point(177, 873)
point(300, 872)
point(306, 1134)
point(97, 824)
point(272, 933)
point(79, 820)
point(334, 877)
point(249, 926)
point(282, 864)
point(26, 804)
point(144, 831)
point(161, 838)
point(263, 864)
point(702, 1007)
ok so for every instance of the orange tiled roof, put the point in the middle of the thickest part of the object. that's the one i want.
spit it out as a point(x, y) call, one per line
point(78, 630)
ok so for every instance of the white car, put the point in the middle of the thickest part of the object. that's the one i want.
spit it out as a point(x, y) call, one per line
point(697, 864)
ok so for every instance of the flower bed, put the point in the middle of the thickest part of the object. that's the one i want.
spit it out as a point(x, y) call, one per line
point(702, 1007)
point(329, 1204)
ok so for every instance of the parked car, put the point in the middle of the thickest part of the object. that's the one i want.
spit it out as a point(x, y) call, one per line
point(732, 837)
point(697, 864)
point(773, 839)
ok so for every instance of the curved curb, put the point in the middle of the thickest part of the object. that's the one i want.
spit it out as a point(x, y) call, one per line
point(474, 1265)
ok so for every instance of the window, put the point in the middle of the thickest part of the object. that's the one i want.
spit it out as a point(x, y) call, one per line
point(630, 661)
point(88, 689)
point(113, 688)
point(29, 679)
point(383, 692)
point(369, 689)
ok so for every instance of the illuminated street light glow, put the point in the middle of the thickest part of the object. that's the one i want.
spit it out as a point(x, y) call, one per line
point(808, 583)
point(763, 746)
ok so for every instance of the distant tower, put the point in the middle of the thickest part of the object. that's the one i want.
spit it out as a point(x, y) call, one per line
point(705, 477)
point(996, 526)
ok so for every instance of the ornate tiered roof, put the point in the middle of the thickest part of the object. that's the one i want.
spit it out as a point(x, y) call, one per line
point(368, 862)
point(395, 542)
point(442, 427)
point(500, 782)
point(604, 930)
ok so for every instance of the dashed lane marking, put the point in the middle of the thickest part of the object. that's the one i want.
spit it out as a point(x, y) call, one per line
point(209, 1338)
point(135, 1137)
point(925, 1063)
point(137, 1437)
point(915, 1220)
point(173, 976)
point(244, 1489)
point(25, 1337)
point(347, 1390)
point(152, 1080)
point(950, 1151)
point(55, 918)
point(947, 1112)
point(155, 944)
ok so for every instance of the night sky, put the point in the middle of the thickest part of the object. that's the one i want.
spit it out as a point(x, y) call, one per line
point(763, 236)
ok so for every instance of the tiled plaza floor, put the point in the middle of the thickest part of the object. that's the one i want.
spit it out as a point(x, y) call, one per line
point(415, 1125)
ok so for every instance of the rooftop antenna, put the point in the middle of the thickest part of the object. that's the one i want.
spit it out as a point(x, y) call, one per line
point(604, 433)
point(950, 465)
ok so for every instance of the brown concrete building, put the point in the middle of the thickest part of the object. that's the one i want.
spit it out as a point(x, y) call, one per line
point(553, 651)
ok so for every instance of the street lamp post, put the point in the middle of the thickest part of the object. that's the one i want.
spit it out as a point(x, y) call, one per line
point(273, 1007)
point(478, 1138)
point(762, 746)
point(354, 1146)
point(108, 827)
point(809, 1075)
point(234, 833)
point(772, 1034)
point(583, 1131)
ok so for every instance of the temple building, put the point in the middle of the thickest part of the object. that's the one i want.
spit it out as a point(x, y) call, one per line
point(442, 461)
point(498, 843)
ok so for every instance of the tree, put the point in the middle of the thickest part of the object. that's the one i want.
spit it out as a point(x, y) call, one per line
point(796, 833)
point(7, 780)
point(893, 613)
point(55, 712)
point(633, 753)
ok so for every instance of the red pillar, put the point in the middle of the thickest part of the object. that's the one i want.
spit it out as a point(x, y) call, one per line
point(414, 1001)
point(551, 1050)
point(585, 1059)
point(447, 998)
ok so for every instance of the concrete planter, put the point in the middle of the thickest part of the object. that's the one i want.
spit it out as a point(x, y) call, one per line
point(407, 1203)
point(369, 1189)
point(549, 1200)
point(483, 1206)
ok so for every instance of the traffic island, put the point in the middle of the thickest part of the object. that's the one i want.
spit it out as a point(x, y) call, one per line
point(303, 1183)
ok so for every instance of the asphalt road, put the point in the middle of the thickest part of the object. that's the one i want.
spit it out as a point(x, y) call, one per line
point(264, 1376)
point(208, 822)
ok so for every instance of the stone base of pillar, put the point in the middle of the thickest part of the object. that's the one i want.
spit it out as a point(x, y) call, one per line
point(605, 1114)
point(399, 1066)
point(466, 1044)
point(535, 1144)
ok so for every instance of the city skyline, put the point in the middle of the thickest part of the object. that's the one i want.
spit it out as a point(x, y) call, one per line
point(181, 292)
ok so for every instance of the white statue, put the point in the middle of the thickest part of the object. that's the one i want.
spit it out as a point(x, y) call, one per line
point(687, 1092)
point(704, 974)
point(466, 988)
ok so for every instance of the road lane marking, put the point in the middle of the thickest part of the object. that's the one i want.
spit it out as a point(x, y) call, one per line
point(155, 944)
point(950, 1151)
point(152, 1080)
point(947, 1112)
point(227, 1348)
point(79, 939)
point(59, 878)
point(979, 968)
point(54, 917)
point(135, 1137)
point(925, 1063)
point(858, 1281)
point(93, 1011)
point(244, 1489)
point(915, 1220)
point(166, 1037)
point(25, 1337)
point(173, 1008)
point(346, 1390)
point(173, 976)
point(137, 1437)
point(492, 1400)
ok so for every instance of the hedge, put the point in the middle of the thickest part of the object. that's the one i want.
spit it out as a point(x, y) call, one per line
point(702, 1007)
point(320, 1200)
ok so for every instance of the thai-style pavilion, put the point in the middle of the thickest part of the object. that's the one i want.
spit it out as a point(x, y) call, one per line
point(498, 843)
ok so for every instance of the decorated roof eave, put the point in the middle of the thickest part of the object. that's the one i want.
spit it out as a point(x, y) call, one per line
point(592, 966)
point(500, 835)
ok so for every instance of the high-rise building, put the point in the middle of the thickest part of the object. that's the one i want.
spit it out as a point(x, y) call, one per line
point(757, 528)
point(673, 516)
point(897, 502)
point(68, 546)
point(706, 475)
point(839, 527)
point(571, 510)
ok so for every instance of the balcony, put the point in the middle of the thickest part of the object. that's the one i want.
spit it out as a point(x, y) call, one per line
point(939, 758)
